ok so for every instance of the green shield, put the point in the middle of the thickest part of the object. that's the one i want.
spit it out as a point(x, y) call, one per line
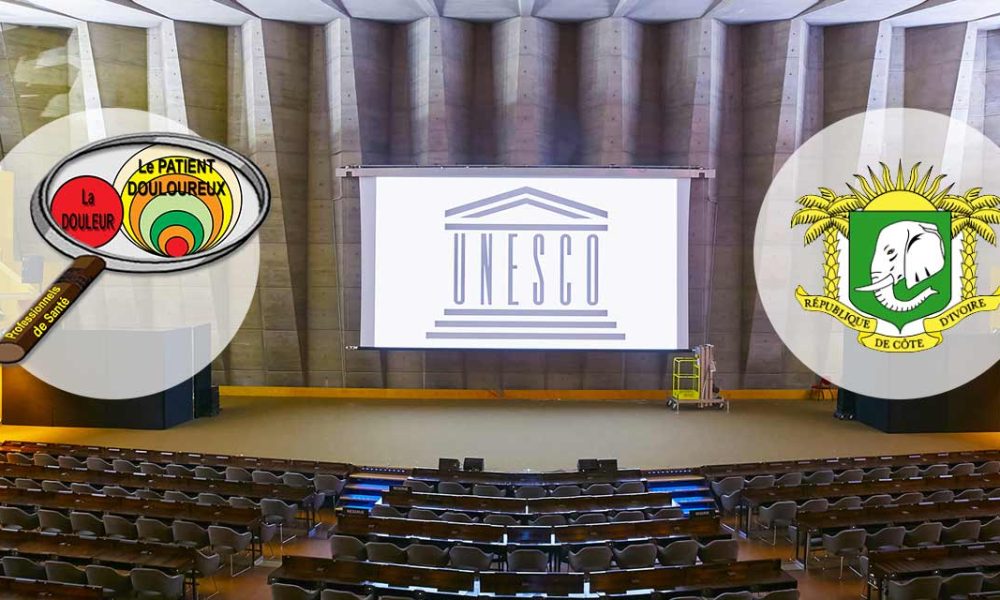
point(911, 247)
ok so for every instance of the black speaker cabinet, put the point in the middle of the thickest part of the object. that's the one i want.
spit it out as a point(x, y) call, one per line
point(608, 465)
point(474, 465)
point(449, 465)
point(587, 465)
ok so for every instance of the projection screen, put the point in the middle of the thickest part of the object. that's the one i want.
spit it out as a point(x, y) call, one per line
point(506, 259)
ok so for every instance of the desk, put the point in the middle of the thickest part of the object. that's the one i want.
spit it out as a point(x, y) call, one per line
point(517, 479)
point(810, 523)
point(312, 571)
point(240, 518)
point(26, 589)
point(840, 464)
point(750, 499)
point(517, 506)
point(944, 560)
point(755, 575)
point(125, 553)
point(181, 458)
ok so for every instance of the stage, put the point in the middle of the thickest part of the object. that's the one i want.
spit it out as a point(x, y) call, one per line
point(517, 434)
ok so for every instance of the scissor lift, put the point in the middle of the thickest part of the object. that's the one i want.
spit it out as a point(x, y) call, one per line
point(693, 381)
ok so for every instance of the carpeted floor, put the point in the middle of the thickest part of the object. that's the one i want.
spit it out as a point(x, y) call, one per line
point(518, 435)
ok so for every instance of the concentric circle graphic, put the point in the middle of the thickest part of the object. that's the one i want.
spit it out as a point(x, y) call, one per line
point(875, 253)
point(132, 334)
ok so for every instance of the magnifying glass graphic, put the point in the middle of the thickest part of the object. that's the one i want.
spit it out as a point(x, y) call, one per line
point(138, 203)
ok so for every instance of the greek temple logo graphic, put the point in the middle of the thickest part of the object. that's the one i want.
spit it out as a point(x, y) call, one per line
point(911, 248)
point(497, 241)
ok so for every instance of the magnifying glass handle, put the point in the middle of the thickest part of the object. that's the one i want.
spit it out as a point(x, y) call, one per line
point(27, 331)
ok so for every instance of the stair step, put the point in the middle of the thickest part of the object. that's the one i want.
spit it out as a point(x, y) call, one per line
point(371, 487)
point(360, 498)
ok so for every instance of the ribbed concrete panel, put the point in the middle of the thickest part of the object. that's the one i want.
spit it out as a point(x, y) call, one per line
point(934, 57)
point(202, 58)
point(120, 61)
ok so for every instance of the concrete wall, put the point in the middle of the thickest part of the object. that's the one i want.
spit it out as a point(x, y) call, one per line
point(304, 100)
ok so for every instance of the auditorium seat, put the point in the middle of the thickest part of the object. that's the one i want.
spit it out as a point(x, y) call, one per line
point(878, 473)
point(760, 482)
point(296, 480)
point(918, 588)
point(813, 505)
point(83, 488)
point(962, 469)
point(148, 468)
point(176, 496)
point(203, 472)
point(529, 491)
point(422, 514)
point(627, 516)
point(64, 572)
point(469, 557)
point(906, 472)
point(877, 500)
point(850, 476)
point(742, 595)
point(418, 486)
point(452, 487)
point(23, 483)
point(636, 556)
point(123, 466)
point(241, 502)
point(330, 486)
point(41, 459)
point(86, 524)
point(590, 519)
point(821, 477)
point(631, 487)
point(781, 595)
point(210, 499)
point(18, 566)
point(599, 489)
point(938, 470)
point(885, 539)
point(55, 486)
point(789, 480)
point(590, 558)
point(425, 555)
point(492, 491)
point(344, 547)
point(549, 520)
point(531, 561)
point(265, 478)
point(963, 532)
point(70, 462)
point(385, 552)
point(116, 491)
point(342, 595)
point(114, 584)
point(285, 591)
point(456, 517)
point(777, 516)
point(925, 534)
point(96, 463)
point(846, 544)
point(384, 510)
point(238, 474)
point(845, 503)
point(960, 585)
point(147, 495)
point(13, 518)
point(189, 535)
point(17, 458)
point(670, 512)
point(119, 528)
point(990, 532)
point(147, 582)
point(567, 491)
point(719, 551)
point(971, 494)
point(728, 485)
point(991, 467)
point(152, 530)
point(680, 553)
point(505, 520)
point(229, 543)
point(51, 521)
point(940, 496)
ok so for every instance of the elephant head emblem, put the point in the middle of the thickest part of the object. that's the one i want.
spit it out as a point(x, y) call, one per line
point(905, 250)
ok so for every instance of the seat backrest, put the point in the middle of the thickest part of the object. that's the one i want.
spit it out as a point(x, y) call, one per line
point(906, 472)
point(850, 476)
point(914, 589)
point(877, 500)
point(962, 584)
point(265, 477)
point(345, 547)
point(152, 580)
point(384, 510)
point(52, 520)
point(971, 494)
point(820, 477)
point(505, 520)
point(469, 557)
point(599, 489)
point(287, 591)
point(529, 491)
point(108, 578)
point(626, 516)
point(385, 552)
point(121, 465)
point(759, 482)
point(590, 519)
point(814, 505)
point(152, 529)
point(549, 520)
point(963, 531)
point(228, 537)
point(96, 463)
point(149, 468)
point(238, 474)
point(878, 473)
point(418, 486)
point(41, 459)
point(743, 595)
point(719, 551)
point(426, 555)
point(488, 490)
point(591, 558)
point(18, 566)
point(204, 472)
point(23, 483)
point(526, 560)
point(64, 572)
point(193, 533)
point(909, 498)
point(885, 537)
point(636, 556)
point(848, 539)
point(679, 553)
point(991, 467)
point(86, 523)
point(423, 514)
point(962, 469)
point(55, 486)
point(296, 480)
point(938, 470)
point(452, 487)
point(631, 487)
point(456, 517)
point(923, 534)
point(566, 491)
point(789, 479)
point(115, 525)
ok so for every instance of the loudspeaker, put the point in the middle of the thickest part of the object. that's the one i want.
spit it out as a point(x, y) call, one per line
point(474, 465)
point(608, 465)
point(32, 267)
point(448, 465)
point(586, 465)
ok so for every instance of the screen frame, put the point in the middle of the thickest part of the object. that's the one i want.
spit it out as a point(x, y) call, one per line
point(367, 175)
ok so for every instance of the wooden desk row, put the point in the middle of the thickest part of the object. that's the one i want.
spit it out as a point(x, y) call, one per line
point(751, 499)
point(118, 553)
point(809, 524)
point(841, 464)
point(363, 525)
point(517, 479)
point(28, 589)
point(943, 560)
point(754, 575)
point(189, 459)
point(159, 483)
point(403, 497)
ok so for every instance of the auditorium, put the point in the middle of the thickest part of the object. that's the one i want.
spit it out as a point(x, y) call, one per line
point(549, 299)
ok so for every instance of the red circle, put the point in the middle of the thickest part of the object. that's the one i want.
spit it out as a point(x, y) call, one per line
point(176, 246)
point(88, 209)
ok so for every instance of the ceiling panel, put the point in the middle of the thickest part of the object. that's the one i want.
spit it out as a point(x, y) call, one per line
point(839, 12)
point(662, 12)
point(397, 11)
point(480, 10)
point(757, 11)
point(937, 12)
point(314, 12)
point(19, 14)
point(199, 11)
point(574, 10)
point(101, 11)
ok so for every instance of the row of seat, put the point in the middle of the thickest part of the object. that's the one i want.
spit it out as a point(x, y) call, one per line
point(287, 591)
point(321, 482)
point(730, 502)
point(527, 491)
point(593, 558)
point(139, 580)
point(728, 485)
point(217, 539)
point(783, 513)
point(856, 542)
point(933, 587)
point(546, 520)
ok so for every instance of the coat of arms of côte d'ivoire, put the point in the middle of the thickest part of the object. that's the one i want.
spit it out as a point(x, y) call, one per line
point(911, 248)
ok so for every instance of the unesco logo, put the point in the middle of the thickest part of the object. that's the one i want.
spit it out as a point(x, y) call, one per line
point(526, 265)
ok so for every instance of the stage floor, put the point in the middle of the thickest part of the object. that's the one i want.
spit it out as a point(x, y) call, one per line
point(518, 435)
